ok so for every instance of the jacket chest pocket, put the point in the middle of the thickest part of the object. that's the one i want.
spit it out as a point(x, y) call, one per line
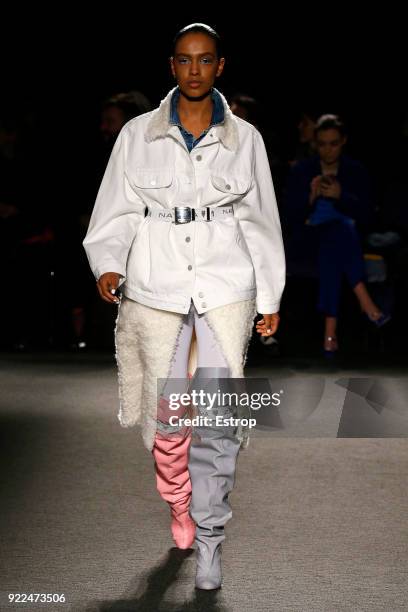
point(226, 188)
point(152, 184)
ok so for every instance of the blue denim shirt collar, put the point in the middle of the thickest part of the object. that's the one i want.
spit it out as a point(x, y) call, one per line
point(217, 114)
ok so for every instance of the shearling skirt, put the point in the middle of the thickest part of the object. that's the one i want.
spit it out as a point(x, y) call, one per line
point(146, 341)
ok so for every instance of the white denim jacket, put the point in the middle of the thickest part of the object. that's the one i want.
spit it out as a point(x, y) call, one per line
point(164, 265)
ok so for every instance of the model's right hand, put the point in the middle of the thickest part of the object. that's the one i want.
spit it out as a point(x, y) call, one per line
point(105, 284)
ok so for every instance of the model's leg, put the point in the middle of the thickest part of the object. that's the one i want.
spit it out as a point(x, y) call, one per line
point(212, 462)
point(171, 446)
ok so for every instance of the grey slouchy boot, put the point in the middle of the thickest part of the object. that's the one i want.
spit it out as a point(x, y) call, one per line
point(212, 463)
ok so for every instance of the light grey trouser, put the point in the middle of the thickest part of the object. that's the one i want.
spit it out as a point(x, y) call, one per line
point(213, 450)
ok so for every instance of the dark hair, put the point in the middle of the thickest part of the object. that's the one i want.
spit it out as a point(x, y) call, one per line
point(203, 29)
point(131, 103)
point(330, 122)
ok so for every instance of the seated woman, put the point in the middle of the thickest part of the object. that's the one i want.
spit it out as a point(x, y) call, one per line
point(328, 200)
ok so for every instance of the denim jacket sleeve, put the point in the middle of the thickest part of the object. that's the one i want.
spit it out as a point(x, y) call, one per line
point(259, 220)
point(116, 216)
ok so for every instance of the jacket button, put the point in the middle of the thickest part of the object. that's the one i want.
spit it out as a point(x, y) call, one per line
point(188, 239)
point(189, 267)
point(228, 187)
point(153, 182)
point(203, 305)
point(201, 294)
point(199, 158)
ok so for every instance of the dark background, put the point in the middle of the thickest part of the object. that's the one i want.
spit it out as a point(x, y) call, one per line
point(59, 64)
point(64, 65)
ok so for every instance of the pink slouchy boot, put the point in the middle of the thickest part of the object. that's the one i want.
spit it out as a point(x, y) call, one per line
point(173, 483)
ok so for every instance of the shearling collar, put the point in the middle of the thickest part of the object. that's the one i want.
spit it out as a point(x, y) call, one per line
point(159, 123)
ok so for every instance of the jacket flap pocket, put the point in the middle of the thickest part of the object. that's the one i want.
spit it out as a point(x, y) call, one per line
point(229, 184)
point(150, 178)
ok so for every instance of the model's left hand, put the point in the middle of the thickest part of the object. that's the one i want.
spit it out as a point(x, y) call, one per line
point(268, 325)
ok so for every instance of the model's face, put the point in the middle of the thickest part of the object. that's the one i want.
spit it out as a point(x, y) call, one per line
point(329, 145)
point(195, 65)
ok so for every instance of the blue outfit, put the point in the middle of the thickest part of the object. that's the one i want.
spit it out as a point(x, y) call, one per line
point(328, 233)
point(324, 210)
point(217, 117)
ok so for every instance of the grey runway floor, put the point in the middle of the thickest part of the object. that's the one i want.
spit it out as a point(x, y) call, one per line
point(319, 521)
